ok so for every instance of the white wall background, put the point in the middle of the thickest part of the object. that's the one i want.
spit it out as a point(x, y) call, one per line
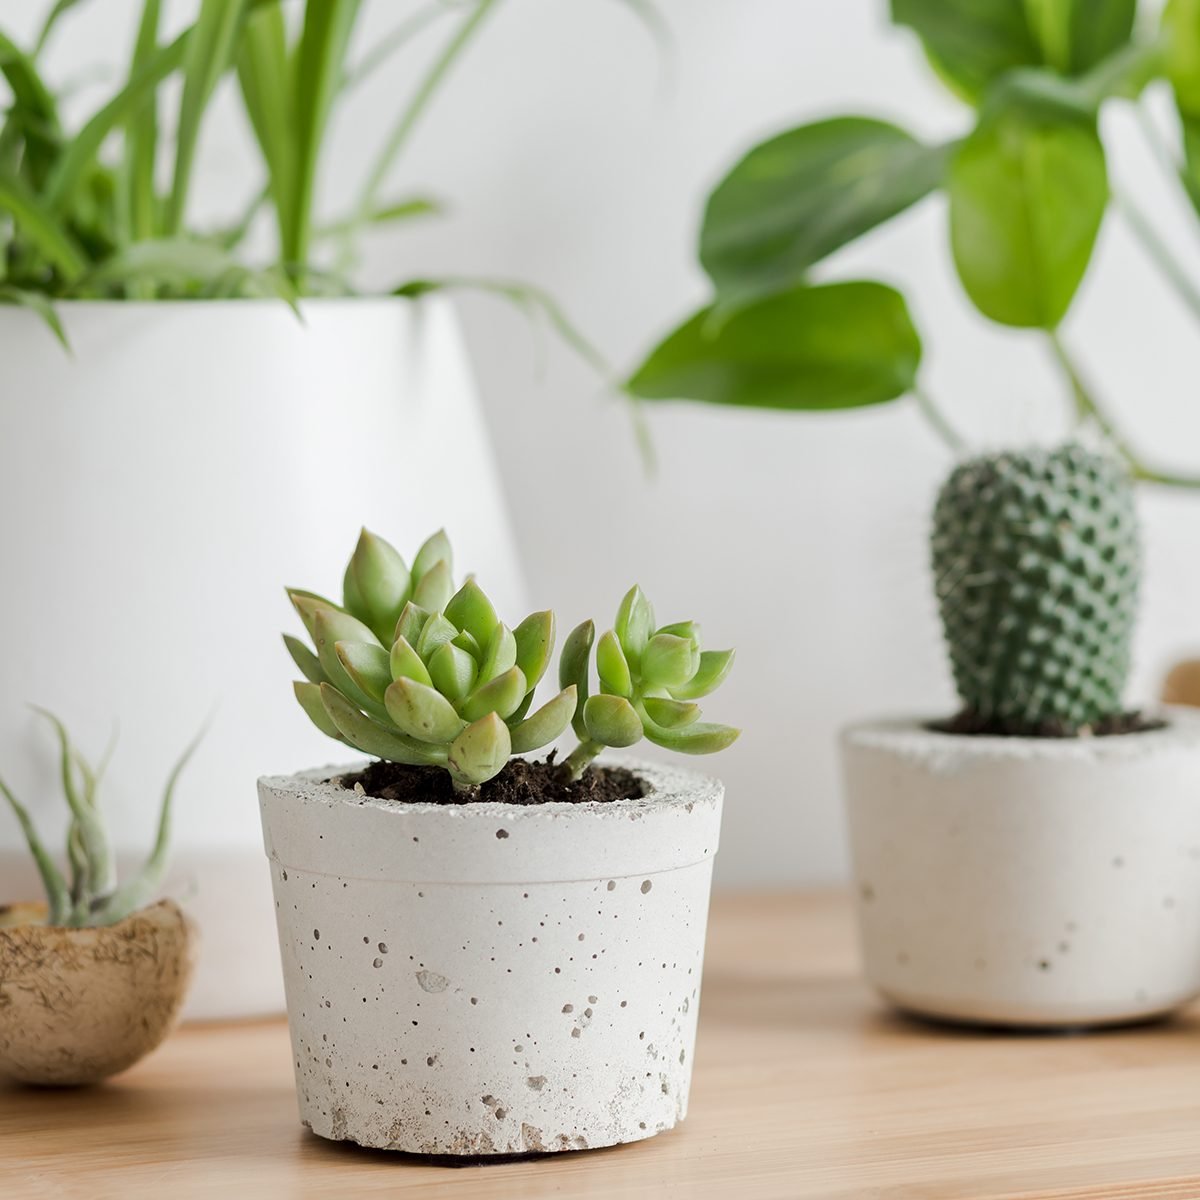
point(575, 157)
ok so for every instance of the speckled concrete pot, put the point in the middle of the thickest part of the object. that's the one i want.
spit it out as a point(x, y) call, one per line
point(1028, 881)
point(79, 1005)
point(488, 978)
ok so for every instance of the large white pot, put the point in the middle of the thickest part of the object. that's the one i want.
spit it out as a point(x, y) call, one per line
point(1028, 881)
point(159, 488)
point(490, 978)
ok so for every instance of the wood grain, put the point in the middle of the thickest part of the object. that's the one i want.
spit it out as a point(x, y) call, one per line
point(806, 1087)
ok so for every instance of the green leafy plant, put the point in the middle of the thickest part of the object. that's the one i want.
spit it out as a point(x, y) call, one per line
point(91, 894)
point(1037, 565)
point(1027, 188)
point(410, 670)
point(650, 680)
point(86, 215)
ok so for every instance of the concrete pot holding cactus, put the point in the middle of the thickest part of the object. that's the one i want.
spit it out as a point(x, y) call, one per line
point(1036, 859)
point(486, 955)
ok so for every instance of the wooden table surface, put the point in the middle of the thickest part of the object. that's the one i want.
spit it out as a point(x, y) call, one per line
point(805, 1086)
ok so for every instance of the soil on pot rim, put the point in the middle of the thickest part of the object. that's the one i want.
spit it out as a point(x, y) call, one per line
point(521, 782)
point(973, 724)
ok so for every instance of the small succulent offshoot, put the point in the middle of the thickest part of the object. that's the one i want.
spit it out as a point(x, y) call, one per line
point(410, 670)
point(91, 895)
point(650, 680)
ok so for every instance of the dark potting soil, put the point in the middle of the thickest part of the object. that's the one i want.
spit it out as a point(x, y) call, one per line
point(968, 722)
point(520, 782)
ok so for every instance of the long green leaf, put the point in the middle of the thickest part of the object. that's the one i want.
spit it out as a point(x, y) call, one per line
point(265, 77)
point(393, 41)
point(82, 151)
point(210, 52)
point(141, 145)
point(798, 197)
point(839, 345)
point(33, 110)
point(39, 303)
point(57, 898)
point(41, 226)
point(60, 8)
point(320, 69)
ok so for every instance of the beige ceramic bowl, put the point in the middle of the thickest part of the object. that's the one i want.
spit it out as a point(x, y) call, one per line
point(79, 1005)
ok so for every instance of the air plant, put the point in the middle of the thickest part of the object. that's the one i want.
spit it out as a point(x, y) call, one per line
point(91, 894)
point(410, 670)
point(650, 680)
point(413, 671)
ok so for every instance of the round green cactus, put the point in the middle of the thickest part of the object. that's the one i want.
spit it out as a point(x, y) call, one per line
point(410, 670)
point(1036, 563)
point(650, 680)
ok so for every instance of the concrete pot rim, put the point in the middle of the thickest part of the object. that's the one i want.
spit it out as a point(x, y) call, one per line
point(671, 788)
point(911, 738)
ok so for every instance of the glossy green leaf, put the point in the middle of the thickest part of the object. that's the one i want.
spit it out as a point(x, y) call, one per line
point(368, 665)
point(309, 696)
point(715, 666)
point(330, 626)
point(837, 345)
point(971, 42)
point(669, 661)
point(671, 714)
point(434, 588)
point(499, 654)
point(547, 723)
point(37, 220)
point(534, 639)
point(612, 721)
point(466, 641)
point(573, 664)
point(372, 737)
point(376, 584)
point(1026, 202)
point(470, 609)
point(634, 624)
point(434, 549)
point(411, 623)
point(453, 671)
point(798, 197)
point(501, 695)
point(612, 667)
point(1074, 35)
point(479, 752)
point(405, 663)
point(422, 712)
point(434, 633)
point(305, 659)
point(141, 132)
point(701, 738)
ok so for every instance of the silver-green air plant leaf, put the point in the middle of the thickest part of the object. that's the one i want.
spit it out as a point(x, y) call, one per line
point(410, 670)
point(649, 681)
point(92, 895)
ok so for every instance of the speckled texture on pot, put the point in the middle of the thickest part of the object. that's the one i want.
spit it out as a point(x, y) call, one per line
point(79, 1005)
point(1028, 881)
point(489, 978)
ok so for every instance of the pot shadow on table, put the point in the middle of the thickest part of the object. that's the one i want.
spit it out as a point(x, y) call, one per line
point(846, 1005)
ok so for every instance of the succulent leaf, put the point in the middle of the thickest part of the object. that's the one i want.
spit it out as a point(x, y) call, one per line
point(501, 695)
point(670, 714)
point(612, 667)
point(669, 661)
point(309, 695)
point(500, 653)
point(367, 665)
point(470, 610)
point(435, 549)
point(437, 632)
point(468, 642)
point(305, 659)
point(634, 624)
point(373, 737)
point(543, 726)
point(422, 712)
point(479, 752)
point(376, 584)
point(612, 721)
point(434, 588)
point(534, 639)
point(701, 738)
point(410, 623)
point(573, 669)
point(405, 663)
point(331, 626)
point(308, 604)
point(714, 666)
point(452, 671)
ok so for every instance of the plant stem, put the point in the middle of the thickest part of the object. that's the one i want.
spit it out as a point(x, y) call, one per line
point(578, 761)
point(937, 420)
point(1143, 229)
point(417, 105)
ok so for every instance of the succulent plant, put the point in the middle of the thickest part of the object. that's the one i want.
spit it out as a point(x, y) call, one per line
point(1036, 561)
point(92, 895)
point(650, 680)
point(410, 670)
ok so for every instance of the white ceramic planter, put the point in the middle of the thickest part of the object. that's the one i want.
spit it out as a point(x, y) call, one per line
point(1028, 881)
point(159, 488)
point(492, 979)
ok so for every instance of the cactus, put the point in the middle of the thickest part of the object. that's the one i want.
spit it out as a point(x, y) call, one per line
point(1036, 564)
point(650, 680)
point(409, 670)
point(91, 895)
